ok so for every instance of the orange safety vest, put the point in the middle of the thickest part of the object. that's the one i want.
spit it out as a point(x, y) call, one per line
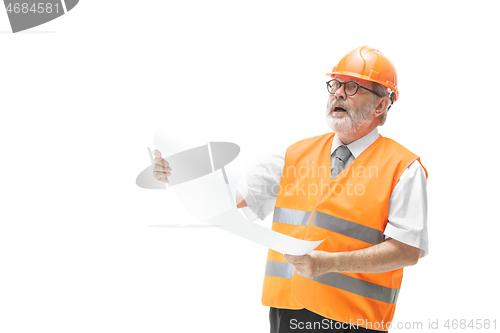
point(351, 212)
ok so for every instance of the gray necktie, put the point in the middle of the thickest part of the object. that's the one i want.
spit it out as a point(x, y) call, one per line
point(339, 159)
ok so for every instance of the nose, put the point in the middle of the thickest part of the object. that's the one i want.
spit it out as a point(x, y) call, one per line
point(340, 93)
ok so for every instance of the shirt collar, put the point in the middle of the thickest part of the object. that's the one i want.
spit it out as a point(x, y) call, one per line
point(358, 146)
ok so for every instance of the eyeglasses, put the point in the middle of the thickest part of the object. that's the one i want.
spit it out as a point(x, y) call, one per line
point(350, 87)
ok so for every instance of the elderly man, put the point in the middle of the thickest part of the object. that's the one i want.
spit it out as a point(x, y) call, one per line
point(363, 193)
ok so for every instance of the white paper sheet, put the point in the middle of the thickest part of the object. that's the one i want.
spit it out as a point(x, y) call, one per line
point(235, 223)
point(204, 197)
point(210, 199)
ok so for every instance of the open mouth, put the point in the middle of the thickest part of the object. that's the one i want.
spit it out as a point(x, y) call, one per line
point(339, 109)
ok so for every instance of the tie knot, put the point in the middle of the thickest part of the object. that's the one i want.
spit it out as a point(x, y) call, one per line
point(343, 153)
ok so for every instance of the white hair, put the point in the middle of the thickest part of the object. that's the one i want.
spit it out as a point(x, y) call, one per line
point(381, 91)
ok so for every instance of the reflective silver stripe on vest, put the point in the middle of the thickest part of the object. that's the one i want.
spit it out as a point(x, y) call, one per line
point(291, 216)
point(358, 287)
point(348, 228)
point(279, 269)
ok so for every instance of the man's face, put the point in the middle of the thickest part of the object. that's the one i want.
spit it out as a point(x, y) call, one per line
point(347, 114)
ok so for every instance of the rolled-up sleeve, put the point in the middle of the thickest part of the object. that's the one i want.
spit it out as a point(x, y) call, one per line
point(259, 185)
point(408, 209)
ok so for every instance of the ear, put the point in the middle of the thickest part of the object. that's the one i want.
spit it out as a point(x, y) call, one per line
point(381, 105)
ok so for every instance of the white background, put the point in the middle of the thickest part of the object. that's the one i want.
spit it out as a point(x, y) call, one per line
point(81, 97)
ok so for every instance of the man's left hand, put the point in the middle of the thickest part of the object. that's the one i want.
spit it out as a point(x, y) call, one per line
point(312, 264)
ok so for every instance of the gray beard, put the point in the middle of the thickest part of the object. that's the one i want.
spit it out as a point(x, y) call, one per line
point(353, 120)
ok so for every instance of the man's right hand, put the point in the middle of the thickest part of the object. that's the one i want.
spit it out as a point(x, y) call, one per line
point(161, 169)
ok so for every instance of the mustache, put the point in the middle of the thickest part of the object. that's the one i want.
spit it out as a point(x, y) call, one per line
point(340, 103)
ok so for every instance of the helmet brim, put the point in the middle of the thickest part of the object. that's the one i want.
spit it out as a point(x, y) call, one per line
point(366, 78)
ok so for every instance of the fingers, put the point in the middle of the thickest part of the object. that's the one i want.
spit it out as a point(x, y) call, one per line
point(161, 170)
point(161, 166)
point(160, 161)
point(290, 257)
point(161, 176)
point(295, 260)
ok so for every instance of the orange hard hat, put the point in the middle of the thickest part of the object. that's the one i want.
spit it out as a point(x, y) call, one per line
point(369, 64)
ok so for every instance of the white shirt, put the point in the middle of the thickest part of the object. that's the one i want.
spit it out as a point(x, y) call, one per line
point(407, 206)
